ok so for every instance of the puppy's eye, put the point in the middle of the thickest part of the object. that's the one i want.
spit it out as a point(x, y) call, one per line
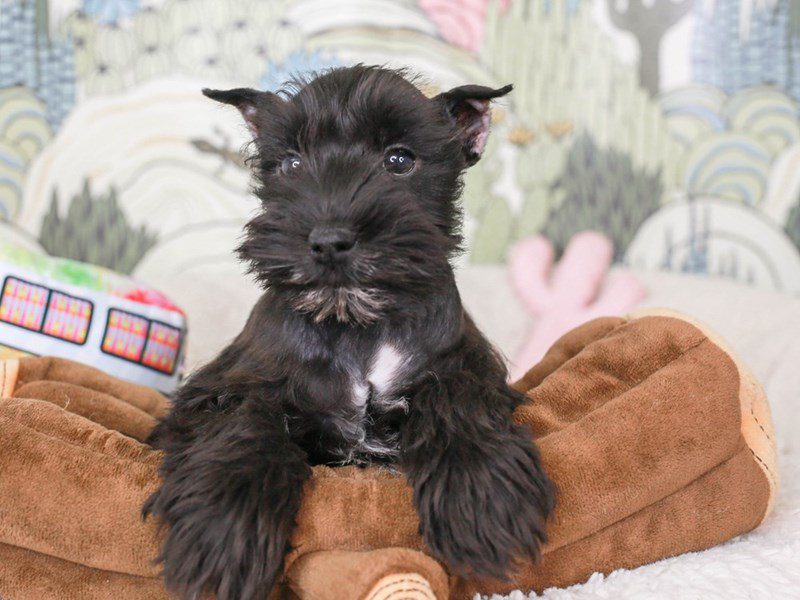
point(291, 164)
point(398, 161)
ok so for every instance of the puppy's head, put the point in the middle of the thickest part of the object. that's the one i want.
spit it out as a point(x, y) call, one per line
point(359, 176)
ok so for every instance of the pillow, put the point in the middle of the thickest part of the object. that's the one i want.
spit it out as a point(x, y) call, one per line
point(59, 307)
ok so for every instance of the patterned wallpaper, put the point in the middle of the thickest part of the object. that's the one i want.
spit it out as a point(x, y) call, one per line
point(671, 126)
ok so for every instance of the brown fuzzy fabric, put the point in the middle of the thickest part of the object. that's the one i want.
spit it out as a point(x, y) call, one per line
point(659, 442)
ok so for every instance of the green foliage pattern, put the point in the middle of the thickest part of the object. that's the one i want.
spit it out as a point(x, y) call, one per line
point(95, 230)
point(565, 71)
point(603, 191)
point(793, 225)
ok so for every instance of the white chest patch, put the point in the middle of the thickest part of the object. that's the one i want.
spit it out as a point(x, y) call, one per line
point(374, 392)
point(385, 368)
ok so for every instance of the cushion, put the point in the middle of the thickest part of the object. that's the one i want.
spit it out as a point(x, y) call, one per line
point(659, 441)
point(59, 307)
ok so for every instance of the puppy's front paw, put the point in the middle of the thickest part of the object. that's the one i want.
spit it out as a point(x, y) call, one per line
point(226, 552)
point(227, 529)
point(485, 504)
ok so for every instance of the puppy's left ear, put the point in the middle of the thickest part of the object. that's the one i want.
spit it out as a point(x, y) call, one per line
point(469, 110)
point(253, 104)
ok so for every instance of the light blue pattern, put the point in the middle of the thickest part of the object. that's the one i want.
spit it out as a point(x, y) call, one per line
point(297, 63)
point(110, 11)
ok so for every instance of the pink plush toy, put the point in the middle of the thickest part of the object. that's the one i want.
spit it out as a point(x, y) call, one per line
point(576, 292)
point(460, 22)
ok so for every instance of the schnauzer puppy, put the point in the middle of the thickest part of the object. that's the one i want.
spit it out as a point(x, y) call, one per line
point(358, 352)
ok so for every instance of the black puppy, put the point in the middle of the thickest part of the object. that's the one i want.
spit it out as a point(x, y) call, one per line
point(359, 351)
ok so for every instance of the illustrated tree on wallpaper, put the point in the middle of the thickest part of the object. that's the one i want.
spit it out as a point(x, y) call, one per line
point(602, 191)
point(793, 225)
point(568, 82)
point(95, 230)
point(648, 22)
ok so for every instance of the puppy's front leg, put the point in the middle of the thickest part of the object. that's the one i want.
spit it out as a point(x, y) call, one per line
point(479, 487)
point(232, 482)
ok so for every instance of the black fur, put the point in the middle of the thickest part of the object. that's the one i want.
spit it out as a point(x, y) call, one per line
point(306, 381)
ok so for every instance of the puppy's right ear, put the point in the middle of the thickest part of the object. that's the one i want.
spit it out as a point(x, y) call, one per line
point(253, 104)
point(467, 106)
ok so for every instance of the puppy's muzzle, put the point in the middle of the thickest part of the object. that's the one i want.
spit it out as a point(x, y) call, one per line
point(330, 244)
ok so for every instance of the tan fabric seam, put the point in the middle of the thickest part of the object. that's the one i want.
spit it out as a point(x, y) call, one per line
point(770, 474)
point(384, 586)
point(306, 593)
point(77, 564)
point(8, 383)
point(405, 591)
point(683, 353)
point(633, 514)
point(764, 431)
point(635, 385)
point(419, 586)
point(73, 444)
point(751, 397)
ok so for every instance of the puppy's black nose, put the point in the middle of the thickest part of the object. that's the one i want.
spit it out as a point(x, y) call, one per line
point(331, 243)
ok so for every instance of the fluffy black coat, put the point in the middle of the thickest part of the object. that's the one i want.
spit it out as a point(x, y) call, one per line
point(359, 351)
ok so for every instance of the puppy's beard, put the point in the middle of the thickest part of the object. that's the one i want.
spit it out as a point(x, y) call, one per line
point(360, 306)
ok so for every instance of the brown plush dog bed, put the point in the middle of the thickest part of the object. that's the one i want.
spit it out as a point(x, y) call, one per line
point(659, 441)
